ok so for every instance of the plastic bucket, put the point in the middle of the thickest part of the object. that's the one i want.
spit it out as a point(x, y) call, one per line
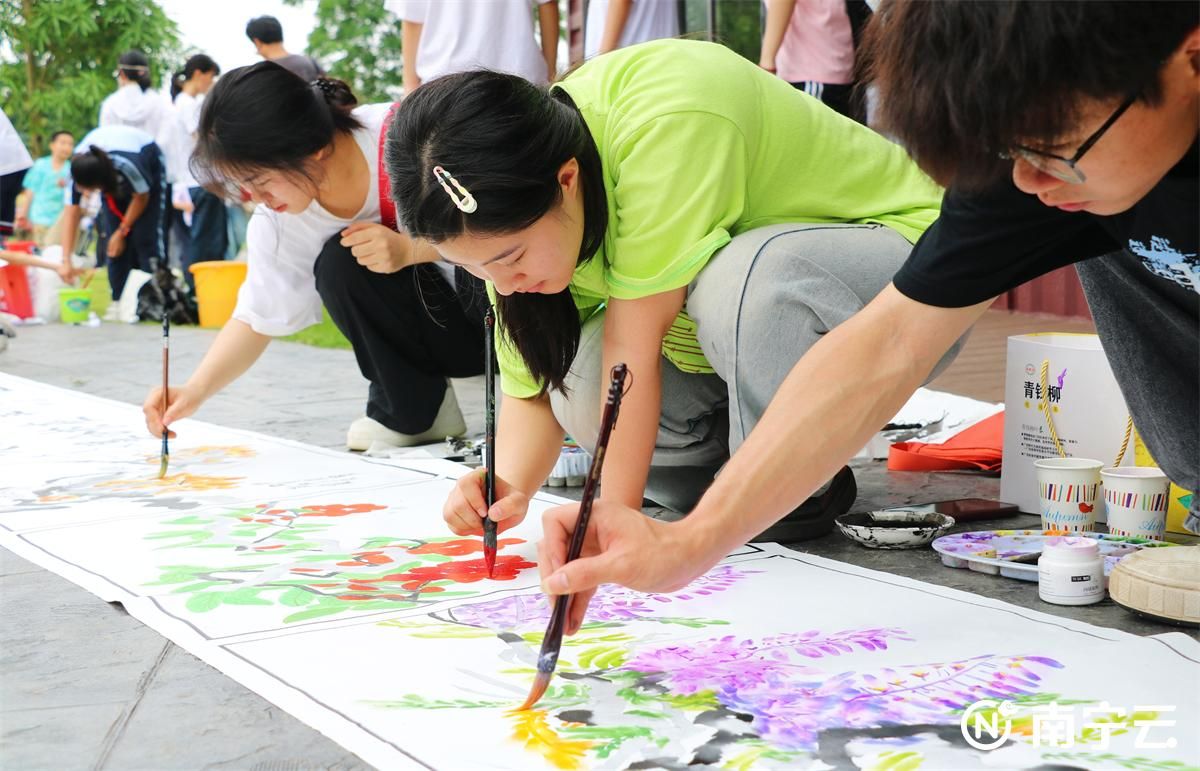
point(217, 285)
point(74, 305)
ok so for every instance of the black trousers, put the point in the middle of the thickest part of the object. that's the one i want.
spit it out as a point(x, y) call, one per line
point(410, 331)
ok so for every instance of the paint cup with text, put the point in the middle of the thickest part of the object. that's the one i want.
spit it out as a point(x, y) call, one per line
point(1135, 498)
point(1069, 489)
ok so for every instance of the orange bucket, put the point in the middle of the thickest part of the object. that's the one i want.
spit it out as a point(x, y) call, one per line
point(217, 284)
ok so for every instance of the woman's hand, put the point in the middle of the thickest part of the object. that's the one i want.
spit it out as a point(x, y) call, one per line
point(377, 247)
point(466, 507)
point(181, 402)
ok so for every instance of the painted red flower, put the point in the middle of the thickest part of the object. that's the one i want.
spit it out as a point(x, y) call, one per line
point(464, 571)
point(338, 509)
point(459, 547)
point(367, 558)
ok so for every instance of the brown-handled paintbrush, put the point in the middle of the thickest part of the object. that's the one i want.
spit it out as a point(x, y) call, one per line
point(552, 642)
point(166, 356)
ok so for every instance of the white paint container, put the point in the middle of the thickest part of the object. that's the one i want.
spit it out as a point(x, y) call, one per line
point(1071, 572)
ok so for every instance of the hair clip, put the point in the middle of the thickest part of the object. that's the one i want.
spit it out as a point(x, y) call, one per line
point(467, 203)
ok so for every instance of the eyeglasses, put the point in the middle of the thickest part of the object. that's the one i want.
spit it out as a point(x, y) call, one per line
point(1067, 169)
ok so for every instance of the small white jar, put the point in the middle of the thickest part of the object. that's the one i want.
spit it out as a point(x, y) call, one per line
point(1071, 572)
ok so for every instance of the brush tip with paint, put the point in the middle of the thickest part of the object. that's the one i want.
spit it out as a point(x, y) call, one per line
point(540, 684)
point(166, 456)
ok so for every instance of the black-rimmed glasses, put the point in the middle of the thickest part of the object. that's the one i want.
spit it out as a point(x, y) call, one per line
point(1067, 169)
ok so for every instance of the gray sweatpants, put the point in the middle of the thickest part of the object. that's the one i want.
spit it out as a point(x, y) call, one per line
point(759, 305)
point(1150, 337)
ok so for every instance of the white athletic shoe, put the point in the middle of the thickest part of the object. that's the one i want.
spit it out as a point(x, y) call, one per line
point(449, 422)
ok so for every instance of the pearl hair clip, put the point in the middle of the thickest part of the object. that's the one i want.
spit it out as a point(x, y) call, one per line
point(463, 199)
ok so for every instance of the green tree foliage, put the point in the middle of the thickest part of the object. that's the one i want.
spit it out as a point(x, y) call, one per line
point(358, 41)
point(57, 64)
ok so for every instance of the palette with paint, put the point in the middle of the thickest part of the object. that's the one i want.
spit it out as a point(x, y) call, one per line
point(1014, 553)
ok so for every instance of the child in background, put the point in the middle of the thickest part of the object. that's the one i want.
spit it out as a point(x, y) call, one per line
point(613, 24)
point(44, 190)
point(441, 38)
point(125, 166)
point(135, 103)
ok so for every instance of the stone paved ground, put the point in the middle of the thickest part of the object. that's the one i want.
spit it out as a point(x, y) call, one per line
point(83, 685)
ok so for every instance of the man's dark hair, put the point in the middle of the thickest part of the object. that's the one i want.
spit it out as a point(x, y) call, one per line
point(59, 133)
point(962, 82)
point(505, 140)
point(265, 29)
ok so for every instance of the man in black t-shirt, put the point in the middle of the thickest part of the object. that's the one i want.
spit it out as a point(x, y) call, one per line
point(1066, 133)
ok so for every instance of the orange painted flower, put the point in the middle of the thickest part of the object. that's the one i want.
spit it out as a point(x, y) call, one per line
point(338, 509)
point(459, 547)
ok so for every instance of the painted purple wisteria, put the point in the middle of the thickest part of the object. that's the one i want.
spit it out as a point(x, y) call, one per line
point(791, 700)
point(612, 603)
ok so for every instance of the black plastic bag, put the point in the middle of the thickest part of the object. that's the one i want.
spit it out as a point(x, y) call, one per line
point(166, 293)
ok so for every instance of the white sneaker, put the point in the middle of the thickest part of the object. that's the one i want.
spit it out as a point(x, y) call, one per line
point(112, 312)
point(449, 422)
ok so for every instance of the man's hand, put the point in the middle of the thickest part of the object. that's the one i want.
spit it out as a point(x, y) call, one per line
point(377, 247)
point(623, 546)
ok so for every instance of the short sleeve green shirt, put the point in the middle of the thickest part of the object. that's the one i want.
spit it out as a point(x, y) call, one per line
point(699, 145)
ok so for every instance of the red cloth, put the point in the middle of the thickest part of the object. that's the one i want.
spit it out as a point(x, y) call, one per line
point(387, 207)
point(978, 447)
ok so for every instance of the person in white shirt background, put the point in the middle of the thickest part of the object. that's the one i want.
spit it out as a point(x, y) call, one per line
point(613, 24)
point(309, 156)
point(207, 229)
point(14, 161)
point(441, 38)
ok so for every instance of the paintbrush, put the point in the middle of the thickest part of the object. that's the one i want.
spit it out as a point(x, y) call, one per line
point(552, 641)
point(489, 437)
point(166, 355)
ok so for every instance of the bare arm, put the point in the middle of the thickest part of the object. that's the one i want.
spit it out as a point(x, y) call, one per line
point(633, 334)
point(528, 441)
point(835, 398)
point(410, 41)
point(548, 23)
point(614, 25)
point(831, 404)
point(779, 12)
point(236, 348)
point(137, 205)
point(70, 228)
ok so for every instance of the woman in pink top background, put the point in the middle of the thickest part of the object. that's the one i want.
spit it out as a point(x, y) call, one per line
point(810, 44)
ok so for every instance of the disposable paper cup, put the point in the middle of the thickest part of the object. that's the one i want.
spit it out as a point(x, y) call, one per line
point(1069, 489)
point(1136, 500)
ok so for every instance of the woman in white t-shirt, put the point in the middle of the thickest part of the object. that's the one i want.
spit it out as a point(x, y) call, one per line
point(207, 234)
point(309, 156)
point(442, 38)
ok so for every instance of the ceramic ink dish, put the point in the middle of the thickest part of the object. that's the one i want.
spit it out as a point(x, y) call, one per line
point(1014, 553)
point(893, 529)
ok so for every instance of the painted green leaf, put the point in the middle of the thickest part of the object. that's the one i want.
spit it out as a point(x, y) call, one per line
point(296, 597)
point(202, 603)
point(247, 596)
point(199, 586)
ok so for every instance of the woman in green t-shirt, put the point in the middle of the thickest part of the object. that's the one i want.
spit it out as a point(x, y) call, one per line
point(670, 206)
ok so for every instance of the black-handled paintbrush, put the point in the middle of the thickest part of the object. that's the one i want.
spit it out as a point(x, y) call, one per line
point(166, 356)
point(489, 436)
point(552, 641)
